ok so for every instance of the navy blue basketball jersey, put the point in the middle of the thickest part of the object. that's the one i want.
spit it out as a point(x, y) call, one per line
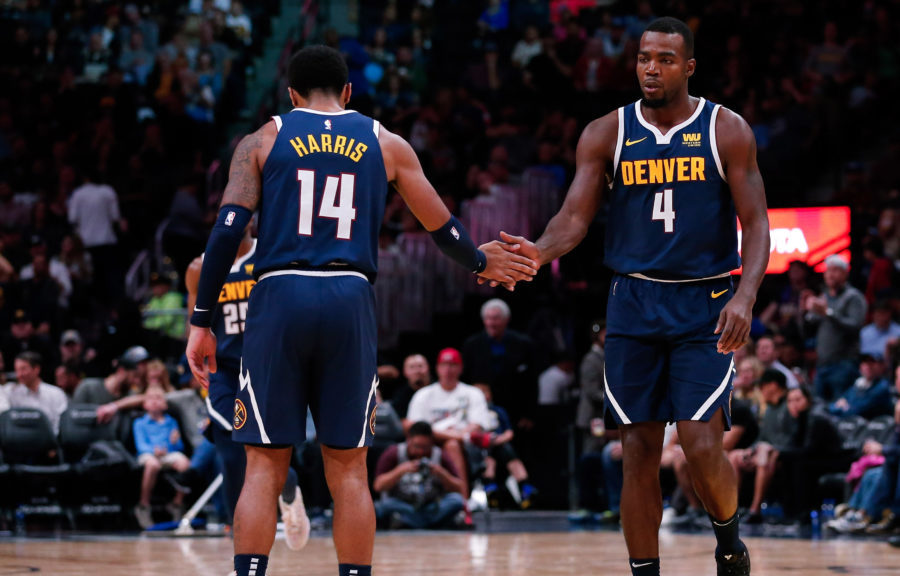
point(671, 213)
point(323, 193)
point(230, 314)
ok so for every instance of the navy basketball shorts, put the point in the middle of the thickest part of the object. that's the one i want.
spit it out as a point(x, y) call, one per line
point(223, 385)
point(310, 340)
point(661, 358)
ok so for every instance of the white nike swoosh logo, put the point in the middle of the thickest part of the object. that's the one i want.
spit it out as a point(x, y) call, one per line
point(633, 565)
point(729, 556)
point(717, 524)
point(199, 309)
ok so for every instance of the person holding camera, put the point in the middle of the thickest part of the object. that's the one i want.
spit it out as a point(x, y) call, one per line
point(420, 487)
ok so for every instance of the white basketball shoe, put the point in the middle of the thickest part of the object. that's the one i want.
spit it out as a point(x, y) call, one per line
point(296, 523)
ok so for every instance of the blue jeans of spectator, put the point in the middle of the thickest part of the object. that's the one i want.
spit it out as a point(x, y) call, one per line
point(432, 515)
point(835, 378)
point(613, 477)
point(871, 495)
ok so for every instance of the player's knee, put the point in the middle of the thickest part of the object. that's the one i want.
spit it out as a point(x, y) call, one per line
point(703, 449)
point(641, 450)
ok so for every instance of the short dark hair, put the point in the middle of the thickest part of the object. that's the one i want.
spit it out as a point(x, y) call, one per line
point(317, 67)
point(669, 25)
point(33, 358)
point(420, 429)
point(774, 376)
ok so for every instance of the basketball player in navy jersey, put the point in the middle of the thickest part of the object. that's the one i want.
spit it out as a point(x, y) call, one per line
point(228, 322)
point(319, 177)
point(677, 167)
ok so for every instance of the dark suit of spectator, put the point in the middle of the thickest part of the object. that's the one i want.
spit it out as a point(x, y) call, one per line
point(811, 451)
point(503, 359)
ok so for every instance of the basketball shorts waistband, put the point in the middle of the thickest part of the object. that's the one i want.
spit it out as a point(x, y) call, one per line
point(312, 273)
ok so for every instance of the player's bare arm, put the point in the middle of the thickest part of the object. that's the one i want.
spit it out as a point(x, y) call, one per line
point(593, 157)
point(191, 281)
point(405, 173)
point(240, 199)
point(245, 174)
point(737, 149)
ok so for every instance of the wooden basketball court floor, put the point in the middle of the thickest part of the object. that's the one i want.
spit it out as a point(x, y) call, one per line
point(452, 553)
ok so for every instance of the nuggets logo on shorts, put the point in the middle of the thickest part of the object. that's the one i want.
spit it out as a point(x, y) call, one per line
point(372, 421)
point(240, 415)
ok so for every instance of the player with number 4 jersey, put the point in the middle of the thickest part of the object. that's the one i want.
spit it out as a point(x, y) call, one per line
point(678, 169)
point(319, 177)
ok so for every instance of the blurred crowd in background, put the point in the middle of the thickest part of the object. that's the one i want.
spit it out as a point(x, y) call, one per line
point(114, 134)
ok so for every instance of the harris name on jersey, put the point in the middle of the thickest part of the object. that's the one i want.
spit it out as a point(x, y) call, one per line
point(338, 144)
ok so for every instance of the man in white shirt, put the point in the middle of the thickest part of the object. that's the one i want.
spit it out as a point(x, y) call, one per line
point(768, 355)
point(457, 412)
point(93, 211)
point(30, 392)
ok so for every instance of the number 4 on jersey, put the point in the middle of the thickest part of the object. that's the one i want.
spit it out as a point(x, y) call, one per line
point(337, 202)
point(662, 210)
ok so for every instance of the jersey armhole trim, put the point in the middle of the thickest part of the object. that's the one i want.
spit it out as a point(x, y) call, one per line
point(712, 141)
point(376, 126)
point(278, 123)
point(619, 137)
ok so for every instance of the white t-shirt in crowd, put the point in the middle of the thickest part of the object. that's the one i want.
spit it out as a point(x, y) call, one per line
point(93, 208)
point(453, 410)
point(49, 399)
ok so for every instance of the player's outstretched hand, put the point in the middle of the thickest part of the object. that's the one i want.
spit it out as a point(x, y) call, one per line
point(505, 265)
point(734, 324)
point(201, 347)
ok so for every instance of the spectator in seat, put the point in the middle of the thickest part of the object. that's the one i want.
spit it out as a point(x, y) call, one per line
point(121, 390)
point(810, 452)
point(23, 337)
point(420, 485)
point(589, 415)
point(417, 375)
point(454, 410)
point(72, 351)
point(503, 359)
point(165, 306)
point(30, 392)
point(67, 377)
point(159, 447)
point(745, 383)
point(836, 316)
point(767, 353)
point(870, 395)
point(498, 438)
point(875, 337)
point(775, 430)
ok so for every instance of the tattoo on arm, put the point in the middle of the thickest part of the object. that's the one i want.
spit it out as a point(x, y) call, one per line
point(244, 178)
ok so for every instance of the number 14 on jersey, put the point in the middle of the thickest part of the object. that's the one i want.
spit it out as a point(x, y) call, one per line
point(337, 202)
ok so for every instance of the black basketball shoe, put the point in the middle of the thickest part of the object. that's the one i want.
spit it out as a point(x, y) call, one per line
point(734, 564)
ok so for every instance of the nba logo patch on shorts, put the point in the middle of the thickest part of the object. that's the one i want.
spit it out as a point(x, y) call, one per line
point(240, 415)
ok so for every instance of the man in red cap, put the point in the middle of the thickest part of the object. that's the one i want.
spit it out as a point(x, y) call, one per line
point(455, 410)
